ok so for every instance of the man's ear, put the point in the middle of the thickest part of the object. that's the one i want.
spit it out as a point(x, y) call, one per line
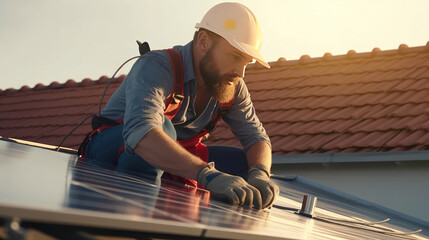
point(204, 41)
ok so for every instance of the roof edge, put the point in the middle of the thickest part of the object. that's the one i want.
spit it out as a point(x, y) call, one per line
point(351, 54)
point(40, 145)
point(68, 84)
point(402, 156)
point(355, 200)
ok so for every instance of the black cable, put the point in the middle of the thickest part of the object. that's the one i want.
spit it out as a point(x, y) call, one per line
point(110, 81)
point(143, 49)
point(77, 126)
point(99, 107)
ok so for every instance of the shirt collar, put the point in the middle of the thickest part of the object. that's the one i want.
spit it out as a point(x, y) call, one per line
point(188, 62)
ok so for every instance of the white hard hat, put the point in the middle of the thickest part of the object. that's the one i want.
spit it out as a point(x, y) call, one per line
point(237, 25)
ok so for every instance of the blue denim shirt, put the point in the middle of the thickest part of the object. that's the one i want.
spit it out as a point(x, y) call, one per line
point(140, 101)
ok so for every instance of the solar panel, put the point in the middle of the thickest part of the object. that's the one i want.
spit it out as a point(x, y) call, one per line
point(51, 190)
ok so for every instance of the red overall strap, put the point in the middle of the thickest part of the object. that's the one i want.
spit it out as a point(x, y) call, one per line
point(102, 127)
point(175, 99)
point(173, 103)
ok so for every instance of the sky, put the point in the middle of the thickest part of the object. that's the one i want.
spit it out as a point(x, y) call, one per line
point(56, 40)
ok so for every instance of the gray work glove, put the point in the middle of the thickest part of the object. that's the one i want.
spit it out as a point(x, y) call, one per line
point(233, 188)
point(259, 177)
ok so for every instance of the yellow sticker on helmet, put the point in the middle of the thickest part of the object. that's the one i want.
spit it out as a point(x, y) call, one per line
point(230, 24)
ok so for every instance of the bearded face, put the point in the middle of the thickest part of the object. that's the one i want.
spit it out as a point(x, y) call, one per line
point(221, 87)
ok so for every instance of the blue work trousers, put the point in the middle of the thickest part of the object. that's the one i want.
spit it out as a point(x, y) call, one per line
point(103, 149)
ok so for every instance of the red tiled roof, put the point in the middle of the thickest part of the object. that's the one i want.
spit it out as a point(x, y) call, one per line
point(358, 102)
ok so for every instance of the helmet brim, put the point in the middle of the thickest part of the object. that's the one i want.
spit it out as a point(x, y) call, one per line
point(250, 51)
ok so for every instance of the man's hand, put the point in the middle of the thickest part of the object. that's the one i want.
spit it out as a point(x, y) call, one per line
point(235, 189)
point(260, 178)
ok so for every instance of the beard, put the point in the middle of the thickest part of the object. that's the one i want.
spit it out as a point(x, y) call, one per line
point(216, 85)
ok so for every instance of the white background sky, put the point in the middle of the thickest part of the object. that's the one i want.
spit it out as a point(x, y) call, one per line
point(55, 40)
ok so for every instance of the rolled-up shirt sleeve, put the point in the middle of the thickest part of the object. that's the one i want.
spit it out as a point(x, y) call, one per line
point(148, 84)
point(242, 119)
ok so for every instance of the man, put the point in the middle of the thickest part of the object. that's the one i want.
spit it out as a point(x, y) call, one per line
point(227, 40)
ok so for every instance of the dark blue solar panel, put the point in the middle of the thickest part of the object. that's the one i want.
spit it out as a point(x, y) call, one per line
point(39, 185)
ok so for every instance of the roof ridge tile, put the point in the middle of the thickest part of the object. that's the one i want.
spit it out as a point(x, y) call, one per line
point(70, 83)
point(375, 51)
point(25, 88)
point(87, 82)
point(327, 55)
point(402, 48)
point(351, 54)
point(55, 84)
point(39, 86)
point(304, 59)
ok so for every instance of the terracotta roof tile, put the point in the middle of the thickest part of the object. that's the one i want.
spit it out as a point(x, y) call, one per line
point(357, 102)
point(415, 109)
point(408, 138)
